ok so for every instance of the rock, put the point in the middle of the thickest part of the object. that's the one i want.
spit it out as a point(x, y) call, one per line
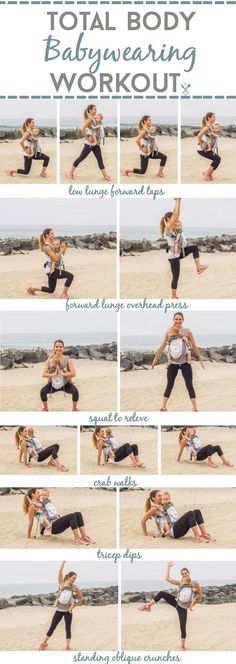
point(18, 357)
point(5, 249)
point(6, 361)
point(3, 603)
point(138, 359)
point(126, 364)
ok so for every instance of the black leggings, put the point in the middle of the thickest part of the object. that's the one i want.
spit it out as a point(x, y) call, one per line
point(73, 520)
point(28, 162)
point(187, 521)
point(187, 374)
point(175, 263)
point(87, 149)
point(207, 451)
point(52, 280)
point(69, 388)
point(125, 450)
point(52, 450)
point(58, 615)
point(182, 613)
point(145, 159)
point(208, 154)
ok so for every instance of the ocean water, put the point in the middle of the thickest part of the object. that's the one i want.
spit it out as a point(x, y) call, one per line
point(46, 340)
point(6, 590)
point(153, 233)
point(29, 231)
point(188, 121)
point(15, 123)
point(130, 120)
point(77, 120)
point(132, 586)
point(150, 342)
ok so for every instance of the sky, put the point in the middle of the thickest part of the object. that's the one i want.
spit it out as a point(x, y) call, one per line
point(221, 107)
point(141, 323)
point(75, 108)
point(29, 572)
point(138, 107)
point(57, 211)
point(27, 108)
point(194, 212)
point(58, 323)
point(224, 571)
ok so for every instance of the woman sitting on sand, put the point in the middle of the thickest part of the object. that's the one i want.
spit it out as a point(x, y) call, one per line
point(207, 144)
point(159, 506)
point(91, 142)
point(185, 598)
point(37, 504)
point(105, 443)
point(175, 339)
point(69, 596)
point(189, 440)
point(31, 150)
point(148, 148)
point(30, 448)
point(54, 251)
point(59, 370)
point(171, 228)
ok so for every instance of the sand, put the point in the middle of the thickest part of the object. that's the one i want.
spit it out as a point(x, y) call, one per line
point(88, 171)
point(213, 503)
point(159, 630)
point(214, 386)
point(66, 437)
point(148, 275)
point(31, 623)
point(192, 165)
point(94, 274)
point(223, 436)
point(98, 508)
point(145, 437)
point(11, 155)
point(96, 381)
point(129, 157)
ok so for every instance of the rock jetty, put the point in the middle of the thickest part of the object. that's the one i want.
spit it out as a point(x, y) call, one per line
point(162, 130)
point(135, 359)
point(93, 597)
point(8, 135)
point(227, 130)
point(96, 241)
point(67, 135)
point(206, 244)
point(11, 357)
point(211, 595)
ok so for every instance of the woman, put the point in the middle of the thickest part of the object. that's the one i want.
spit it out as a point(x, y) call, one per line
point(144, 143)
point(189, 440)
point(65, 605)
point(171, 228)
point(119, 452)
point(207, 144)
point(177, 331)
point(52, 271)
point(26, 442)
point(89, 146)
point(185, 598)
point(28, 133)
point(59, 370)
point(34, 506)
point(159, 504)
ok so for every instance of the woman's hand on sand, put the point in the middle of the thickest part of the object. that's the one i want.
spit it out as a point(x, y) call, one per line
point(154, 363)
point(202, 363)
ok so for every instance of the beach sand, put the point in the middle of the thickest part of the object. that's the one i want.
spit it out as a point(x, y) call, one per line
point(11, 156)
point(223, 436)
point(96, 381)
point(192, 165)
point(217, 507)
point(31, 623)
point(159, 630)
point(149, 275)
point(66, 437)
point(145, 437)
point(98, 508)
point(94, 274)
point(214, 386)
point(88, 171)
point(129, 156)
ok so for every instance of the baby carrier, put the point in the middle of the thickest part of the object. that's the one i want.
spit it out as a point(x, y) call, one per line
point(185, 594)
point(176, 346)
point(65, 598)
point(59, 382)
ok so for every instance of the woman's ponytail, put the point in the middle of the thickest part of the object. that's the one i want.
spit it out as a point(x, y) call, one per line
point(148, 503)
point(43, 237)
point(26, 123)
point(17, 436)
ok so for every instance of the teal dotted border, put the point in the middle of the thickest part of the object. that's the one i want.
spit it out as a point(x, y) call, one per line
point(117, 97)
point(117, 2)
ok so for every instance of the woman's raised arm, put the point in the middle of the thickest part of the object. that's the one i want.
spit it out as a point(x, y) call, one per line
point(60, 572)
point(168, 577)
point(175, 215)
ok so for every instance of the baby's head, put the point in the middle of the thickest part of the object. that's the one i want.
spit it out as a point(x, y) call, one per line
point(216, 128)
point(98, 117)
point(193, 431)
point(36, 131)
point(166, 497)
point(153, 130)
point(56, 243)
point(44, 493)
point(108, 431)
point(30, 431)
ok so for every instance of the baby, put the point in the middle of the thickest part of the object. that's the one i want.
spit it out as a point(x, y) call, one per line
point(177, 233)
point(49, 512)
point(94, 129)
point(31, 144)
point(109, 446)
point(58, 264)
point(211, 143)
point(187, 348)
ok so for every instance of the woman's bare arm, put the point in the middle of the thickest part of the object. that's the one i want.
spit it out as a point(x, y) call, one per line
point(24, 138)
point(31, 513)
point(203, 131)
point(46, 373)
point(139, 137)
point(181, 448)
point(70, 373)
point(79, 595)
point(175, 215)
point(84, 132)
point(148, 515)
point(160, 350)
point(195, 348)
point(60, 572)
point(99, 452)
point(168, 577)
point(52, 253)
